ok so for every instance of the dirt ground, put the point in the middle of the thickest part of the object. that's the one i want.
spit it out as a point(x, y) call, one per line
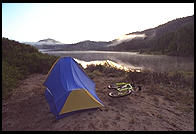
point(148, 110)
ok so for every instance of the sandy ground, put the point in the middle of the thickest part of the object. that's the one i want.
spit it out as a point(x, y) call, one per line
point(147, 110)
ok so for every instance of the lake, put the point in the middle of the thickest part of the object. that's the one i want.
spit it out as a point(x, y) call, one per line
point(156, 63)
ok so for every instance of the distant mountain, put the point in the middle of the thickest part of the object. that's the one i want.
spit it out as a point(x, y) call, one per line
point(175, 37)
point(49, 41)
point(83, 45)
point(44, 42)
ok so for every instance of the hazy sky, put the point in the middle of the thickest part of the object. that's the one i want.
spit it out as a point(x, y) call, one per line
point(71, 23)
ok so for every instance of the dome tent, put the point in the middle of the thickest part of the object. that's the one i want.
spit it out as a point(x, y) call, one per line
point(69, 89)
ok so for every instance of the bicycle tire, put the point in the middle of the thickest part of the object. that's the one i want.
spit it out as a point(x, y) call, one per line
point(117, 94)
point(115, 86)
point(112, 86)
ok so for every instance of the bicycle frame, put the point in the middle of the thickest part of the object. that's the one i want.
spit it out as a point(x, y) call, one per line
point(125, 87)
point(122, 89)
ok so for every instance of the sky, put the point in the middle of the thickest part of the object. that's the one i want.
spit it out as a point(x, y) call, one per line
point(75, 22)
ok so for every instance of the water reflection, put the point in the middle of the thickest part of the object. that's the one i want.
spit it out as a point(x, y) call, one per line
point(109, 64)
point(157, 63)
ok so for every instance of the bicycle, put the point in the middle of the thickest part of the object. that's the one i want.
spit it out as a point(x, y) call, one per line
point(122, 89)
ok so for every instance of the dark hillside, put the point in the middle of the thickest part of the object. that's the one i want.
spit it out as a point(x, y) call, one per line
point(173, 38)
point(20, 60)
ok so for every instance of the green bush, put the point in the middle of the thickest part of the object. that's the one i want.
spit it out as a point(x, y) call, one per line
point(21, 60)
point(10, 77)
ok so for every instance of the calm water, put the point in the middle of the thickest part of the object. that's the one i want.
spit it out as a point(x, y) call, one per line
point(157, 63)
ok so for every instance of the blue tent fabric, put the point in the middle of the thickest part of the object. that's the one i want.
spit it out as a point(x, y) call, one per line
point(66, 76)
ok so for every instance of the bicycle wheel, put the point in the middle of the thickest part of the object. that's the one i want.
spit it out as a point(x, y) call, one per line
point(119, 94)
point(112, 86)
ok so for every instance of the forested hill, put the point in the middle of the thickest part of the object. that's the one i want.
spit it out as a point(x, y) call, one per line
point(20, 60)
point(173, 38)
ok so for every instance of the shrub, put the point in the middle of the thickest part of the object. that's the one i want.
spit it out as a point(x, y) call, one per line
point(21, 60)
point(10, 77)
point(105, 70)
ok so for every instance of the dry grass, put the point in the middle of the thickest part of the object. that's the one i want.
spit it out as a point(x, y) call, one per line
point(158, 106)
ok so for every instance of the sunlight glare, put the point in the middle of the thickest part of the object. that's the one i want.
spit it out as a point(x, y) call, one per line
point(107, 63)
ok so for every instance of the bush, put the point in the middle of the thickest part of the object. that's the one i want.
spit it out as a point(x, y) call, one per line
point(21, 60)
point(182, 79)
point(10, 77)
point(105, 70)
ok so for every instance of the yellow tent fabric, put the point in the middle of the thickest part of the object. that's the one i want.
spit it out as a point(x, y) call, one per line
point(79, 99)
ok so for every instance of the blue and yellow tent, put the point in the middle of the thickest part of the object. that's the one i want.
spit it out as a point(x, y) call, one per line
point(69, 89)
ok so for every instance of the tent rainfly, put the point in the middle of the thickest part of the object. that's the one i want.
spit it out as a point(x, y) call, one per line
point(69, 89)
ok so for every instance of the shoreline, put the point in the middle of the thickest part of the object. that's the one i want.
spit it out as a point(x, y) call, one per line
point(114, 51)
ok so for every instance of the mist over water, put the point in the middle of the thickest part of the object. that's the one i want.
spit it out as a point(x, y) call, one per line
point(156, 63)
point(128, 37)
